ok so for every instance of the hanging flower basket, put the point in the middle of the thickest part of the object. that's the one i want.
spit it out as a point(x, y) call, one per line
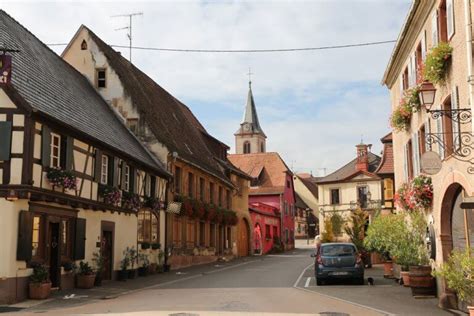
point(61, 178)
point(401, 116)
point(187, 208)
point(418, 194)
point(111, 195)
point(412, 98)
point(436, 63)
point(131, 201)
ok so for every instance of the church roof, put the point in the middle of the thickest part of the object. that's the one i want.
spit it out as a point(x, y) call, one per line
point(250, 116)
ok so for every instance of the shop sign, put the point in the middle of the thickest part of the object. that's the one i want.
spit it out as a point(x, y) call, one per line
point(5, 69)
point(431, 162)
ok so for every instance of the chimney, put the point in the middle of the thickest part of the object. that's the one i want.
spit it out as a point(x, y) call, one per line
point(362, 163)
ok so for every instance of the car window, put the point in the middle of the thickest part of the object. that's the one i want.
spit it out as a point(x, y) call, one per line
point(338, 250)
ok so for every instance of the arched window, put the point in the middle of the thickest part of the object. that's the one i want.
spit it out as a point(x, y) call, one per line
point(247, 147)
point(148, 224)
point(262, 149)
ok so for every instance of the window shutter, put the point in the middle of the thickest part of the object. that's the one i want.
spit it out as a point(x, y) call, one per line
point(428, 136)
point(410, 71)
point(25, 235)
point(450, 18)
point(122, 182)
point(153, 186)
point(434, 29)
point(69, 153)
point(115, 165)
point(401, 85)
point(97, 165)
point(5, 140)
point(455, 122)
point(132, 179)
point(416, 154)
point(80, 239)
point(423, 46)
point(46, 146)
point(405, 162)
point(441, 144)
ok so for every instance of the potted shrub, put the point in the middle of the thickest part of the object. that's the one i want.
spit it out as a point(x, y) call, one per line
point(458, 272)
point(40, 285)
point(99, 267)
point(85, 276)
point(143, 269)
point(124, 263)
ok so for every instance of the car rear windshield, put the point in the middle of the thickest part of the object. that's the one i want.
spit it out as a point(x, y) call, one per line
point(338, 250)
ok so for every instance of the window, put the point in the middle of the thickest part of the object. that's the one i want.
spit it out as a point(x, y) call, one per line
point(212, 236)
point(132, 125)
point(190, 233)
point(442, 22)
point(448, 128)
point(450, 18)
point(177, 223)
point(190, 185)
point(288, 184)
point(388, 188)
point(147, 185)
point(35, 243)
point(267, 232)
point(228, 199)
point(362, 196)
point(220, 196)
point(247, 147)
point(262, 148)
point(275, 231)
point(211, 193)
point(101, 78)
point(55, 155)
point(410, 159)
point(177, 180)
point(147, 227)
point(405, 79)
point(419, 63)
point(126, 177)
point(422, 140)
point(104, 170)
point(202, 190)
point(335, 197)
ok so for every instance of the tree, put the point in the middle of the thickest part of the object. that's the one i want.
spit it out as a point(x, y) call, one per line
point(355, 228)
point(327, 235)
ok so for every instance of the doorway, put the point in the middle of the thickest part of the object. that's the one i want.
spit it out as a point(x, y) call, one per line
point(243, 238)
point(107, 249)
point(53, 245)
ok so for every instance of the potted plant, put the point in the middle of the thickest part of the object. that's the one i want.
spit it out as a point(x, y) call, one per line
point(155, 246)
point(124, 263)
point(110, 195)
point(143, 269)
point(436, 63)
point(401, 116)
point(458, 272)
point(145, 245)
point(61, 178)
point(98, 260)
point(85, 276)
point(132, 255)
point(40, 285)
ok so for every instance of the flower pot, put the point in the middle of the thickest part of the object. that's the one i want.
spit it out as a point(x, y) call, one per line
point(143, 271)
point(405, 277)
point(132, 274)
point(39, 291)
point(471, 310)
point(421, 281)
point(388, 269)
point(122, 275)
point(85, 281)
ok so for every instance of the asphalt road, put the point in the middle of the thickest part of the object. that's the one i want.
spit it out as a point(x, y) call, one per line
point(269, 284)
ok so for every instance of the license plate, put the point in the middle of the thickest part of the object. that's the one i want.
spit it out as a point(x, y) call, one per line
point(339, 273)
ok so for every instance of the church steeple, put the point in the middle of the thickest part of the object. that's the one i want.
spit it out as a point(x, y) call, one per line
point(250, 137)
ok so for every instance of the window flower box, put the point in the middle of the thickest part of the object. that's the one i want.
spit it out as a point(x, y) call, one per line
point(61, 178)
point(436, 63)
point(110, 195)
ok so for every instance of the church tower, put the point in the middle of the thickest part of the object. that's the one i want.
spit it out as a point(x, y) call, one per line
point(250, 138)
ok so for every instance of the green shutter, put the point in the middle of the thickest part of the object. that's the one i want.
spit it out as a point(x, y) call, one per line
point(80, 239)
point(97, 165)
point(69, 153)
point(115, 166)
point(153, 186)
point(132, 179)
point(46, 146)
point(5, 140)
point(25, 236)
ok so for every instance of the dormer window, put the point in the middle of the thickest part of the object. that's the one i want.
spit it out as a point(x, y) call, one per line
point(101, 78)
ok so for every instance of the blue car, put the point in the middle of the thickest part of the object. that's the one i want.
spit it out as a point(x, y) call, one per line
point(338, 261)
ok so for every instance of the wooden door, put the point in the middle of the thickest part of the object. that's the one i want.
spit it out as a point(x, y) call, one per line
point(243, 239)
point(54, 256)
point(106, 252)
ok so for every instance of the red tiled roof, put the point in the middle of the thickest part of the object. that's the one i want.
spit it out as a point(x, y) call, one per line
point(386, 164)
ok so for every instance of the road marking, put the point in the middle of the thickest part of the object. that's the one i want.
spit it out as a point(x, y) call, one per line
point(301, 275)
point(307, 282)
point(288, 256)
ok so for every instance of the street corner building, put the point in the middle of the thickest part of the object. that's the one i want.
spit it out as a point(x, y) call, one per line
point(207, 215)
point(434, 138)
point(365, 183)
point(72, 177)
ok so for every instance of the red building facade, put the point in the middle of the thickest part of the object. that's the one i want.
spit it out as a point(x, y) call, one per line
point(266, 226)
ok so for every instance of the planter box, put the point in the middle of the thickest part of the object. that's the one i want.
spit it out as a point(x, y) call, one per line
point(421, 281)
point(85, 281)
point(39, 291)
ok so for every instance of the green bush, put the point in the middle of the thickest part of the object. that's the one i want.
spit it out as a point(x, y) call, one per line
point(436, 63)
point(355, 228)
point(401, 117)
point(459, 274)
point(85, 269)
point(40, 274)
point(327, 235)
point(337, 224)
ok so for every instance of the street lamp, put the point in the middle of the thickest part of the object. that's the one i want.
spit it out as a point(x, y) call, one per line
point(427, 95)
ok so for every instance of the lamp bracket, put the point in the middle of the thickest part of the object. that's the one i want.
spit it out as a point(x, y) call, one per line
point(462, 116)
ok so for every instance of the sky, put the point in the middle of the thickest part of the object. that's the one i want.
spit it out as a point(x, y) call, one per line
point(313, 106)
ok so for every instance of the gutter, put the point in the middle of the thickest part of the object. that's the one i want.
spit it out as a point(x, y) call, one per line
point(470, 78)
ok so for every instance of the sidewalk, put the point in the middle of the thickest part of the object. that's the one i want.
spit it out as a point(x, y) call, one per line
point(113, 289)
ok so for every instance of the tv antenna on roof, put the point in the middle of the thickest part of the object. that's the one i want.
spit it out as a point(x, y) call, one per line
point(129, 28)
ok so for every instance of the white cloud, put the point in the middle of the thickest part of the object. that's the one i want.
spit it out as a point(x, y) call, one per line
point(313, 106)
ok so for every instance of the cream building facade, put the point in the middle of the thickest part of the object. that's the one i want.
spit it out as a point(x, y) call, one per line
point(442, 131)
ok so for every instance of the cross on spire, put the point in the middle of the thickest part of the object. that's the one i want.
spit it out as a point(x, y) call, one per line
point(250, 77)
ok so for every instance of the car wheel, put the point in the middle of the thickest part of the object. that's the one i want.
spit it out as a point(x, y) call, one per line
point(319, 282)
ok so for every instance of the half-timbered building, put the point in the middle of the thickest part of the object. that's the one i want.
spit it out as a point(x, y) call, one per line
point(72, 176)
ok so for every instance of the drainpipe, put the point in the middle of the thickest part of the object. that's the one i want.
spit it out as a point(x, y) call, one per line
point(470, 78)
